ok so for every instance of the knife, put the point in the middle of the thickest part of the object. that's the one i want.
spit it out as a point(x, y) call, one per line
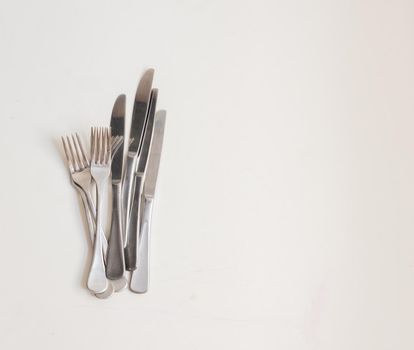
point(131, 249)
point(140, 277)
point(115, 266)
point(139, 115)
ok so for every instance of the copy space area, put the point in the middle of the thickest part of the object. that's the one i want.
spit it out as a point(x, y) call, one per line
point(285, 197)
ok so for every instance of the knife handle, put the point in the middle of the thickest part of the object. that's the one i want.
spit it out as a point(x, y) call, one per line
point(127, 191)
point(115, 266)
point(131, 249)
point(140, 277)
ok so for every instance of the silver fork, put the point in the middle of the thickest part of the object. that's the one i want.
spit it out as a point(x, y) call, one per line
point(79, 168)
point(100, 171)
point(73, 155)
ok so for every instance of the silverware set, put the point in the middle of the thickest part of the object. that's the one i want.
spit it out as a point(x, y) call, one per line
point(133, 180)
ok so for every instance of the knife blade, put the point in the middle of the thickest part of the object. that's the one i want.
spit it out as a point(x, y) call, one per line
point(118, 129)
point(139, 113)
point(131, 249)
point(140, 277)
point(115, 263)
point(139, 116)
point(147, 140)
point(155, 154)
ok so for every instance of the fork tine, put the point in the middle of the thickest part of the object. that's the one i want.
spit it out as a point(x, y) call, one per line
point(65, 148)
point(103, 145)
point(96, 135)
point(105, 131)
point(85, 158)
point(77, 153)
point(109, 148)
point(92, 145)
point(72, 154)
point(92, 148)
point(100, 146)
point(108, 145)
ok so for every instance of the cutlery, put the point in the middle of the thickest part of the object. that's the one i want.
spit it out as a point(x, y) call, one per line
point(115, 267)
point(131, 250)
point(133, 189)
point(140, 277)
point(139, 115)
point(73, 152)
point(100, 171)
point(79, 169)
point(118, 285)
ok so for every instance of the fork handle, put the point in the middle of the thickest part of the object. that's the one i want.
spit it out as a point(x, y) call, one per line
point(90, 203)
point(131, 249)
point(88, 214)
point(97, 281)
point(115, 259)
point(91, 215)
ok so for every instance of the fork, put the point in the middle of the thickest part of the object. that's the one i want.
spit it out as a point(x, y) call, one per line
point(73, 154)
point(100, 171)
point(79, 169)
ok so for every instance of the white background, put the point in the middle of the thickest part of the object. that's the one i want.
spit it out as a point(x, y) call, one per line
point(284, 216)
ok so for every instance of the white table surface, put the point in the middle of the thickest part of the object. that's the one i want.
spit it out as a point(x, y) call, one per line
point(284, 217)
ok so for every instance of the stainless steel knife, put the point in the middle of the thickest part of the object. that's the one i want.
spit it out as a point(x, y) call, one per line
point(115, 264)
point(140, 277)
point(131, 249)
point(139, 116)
